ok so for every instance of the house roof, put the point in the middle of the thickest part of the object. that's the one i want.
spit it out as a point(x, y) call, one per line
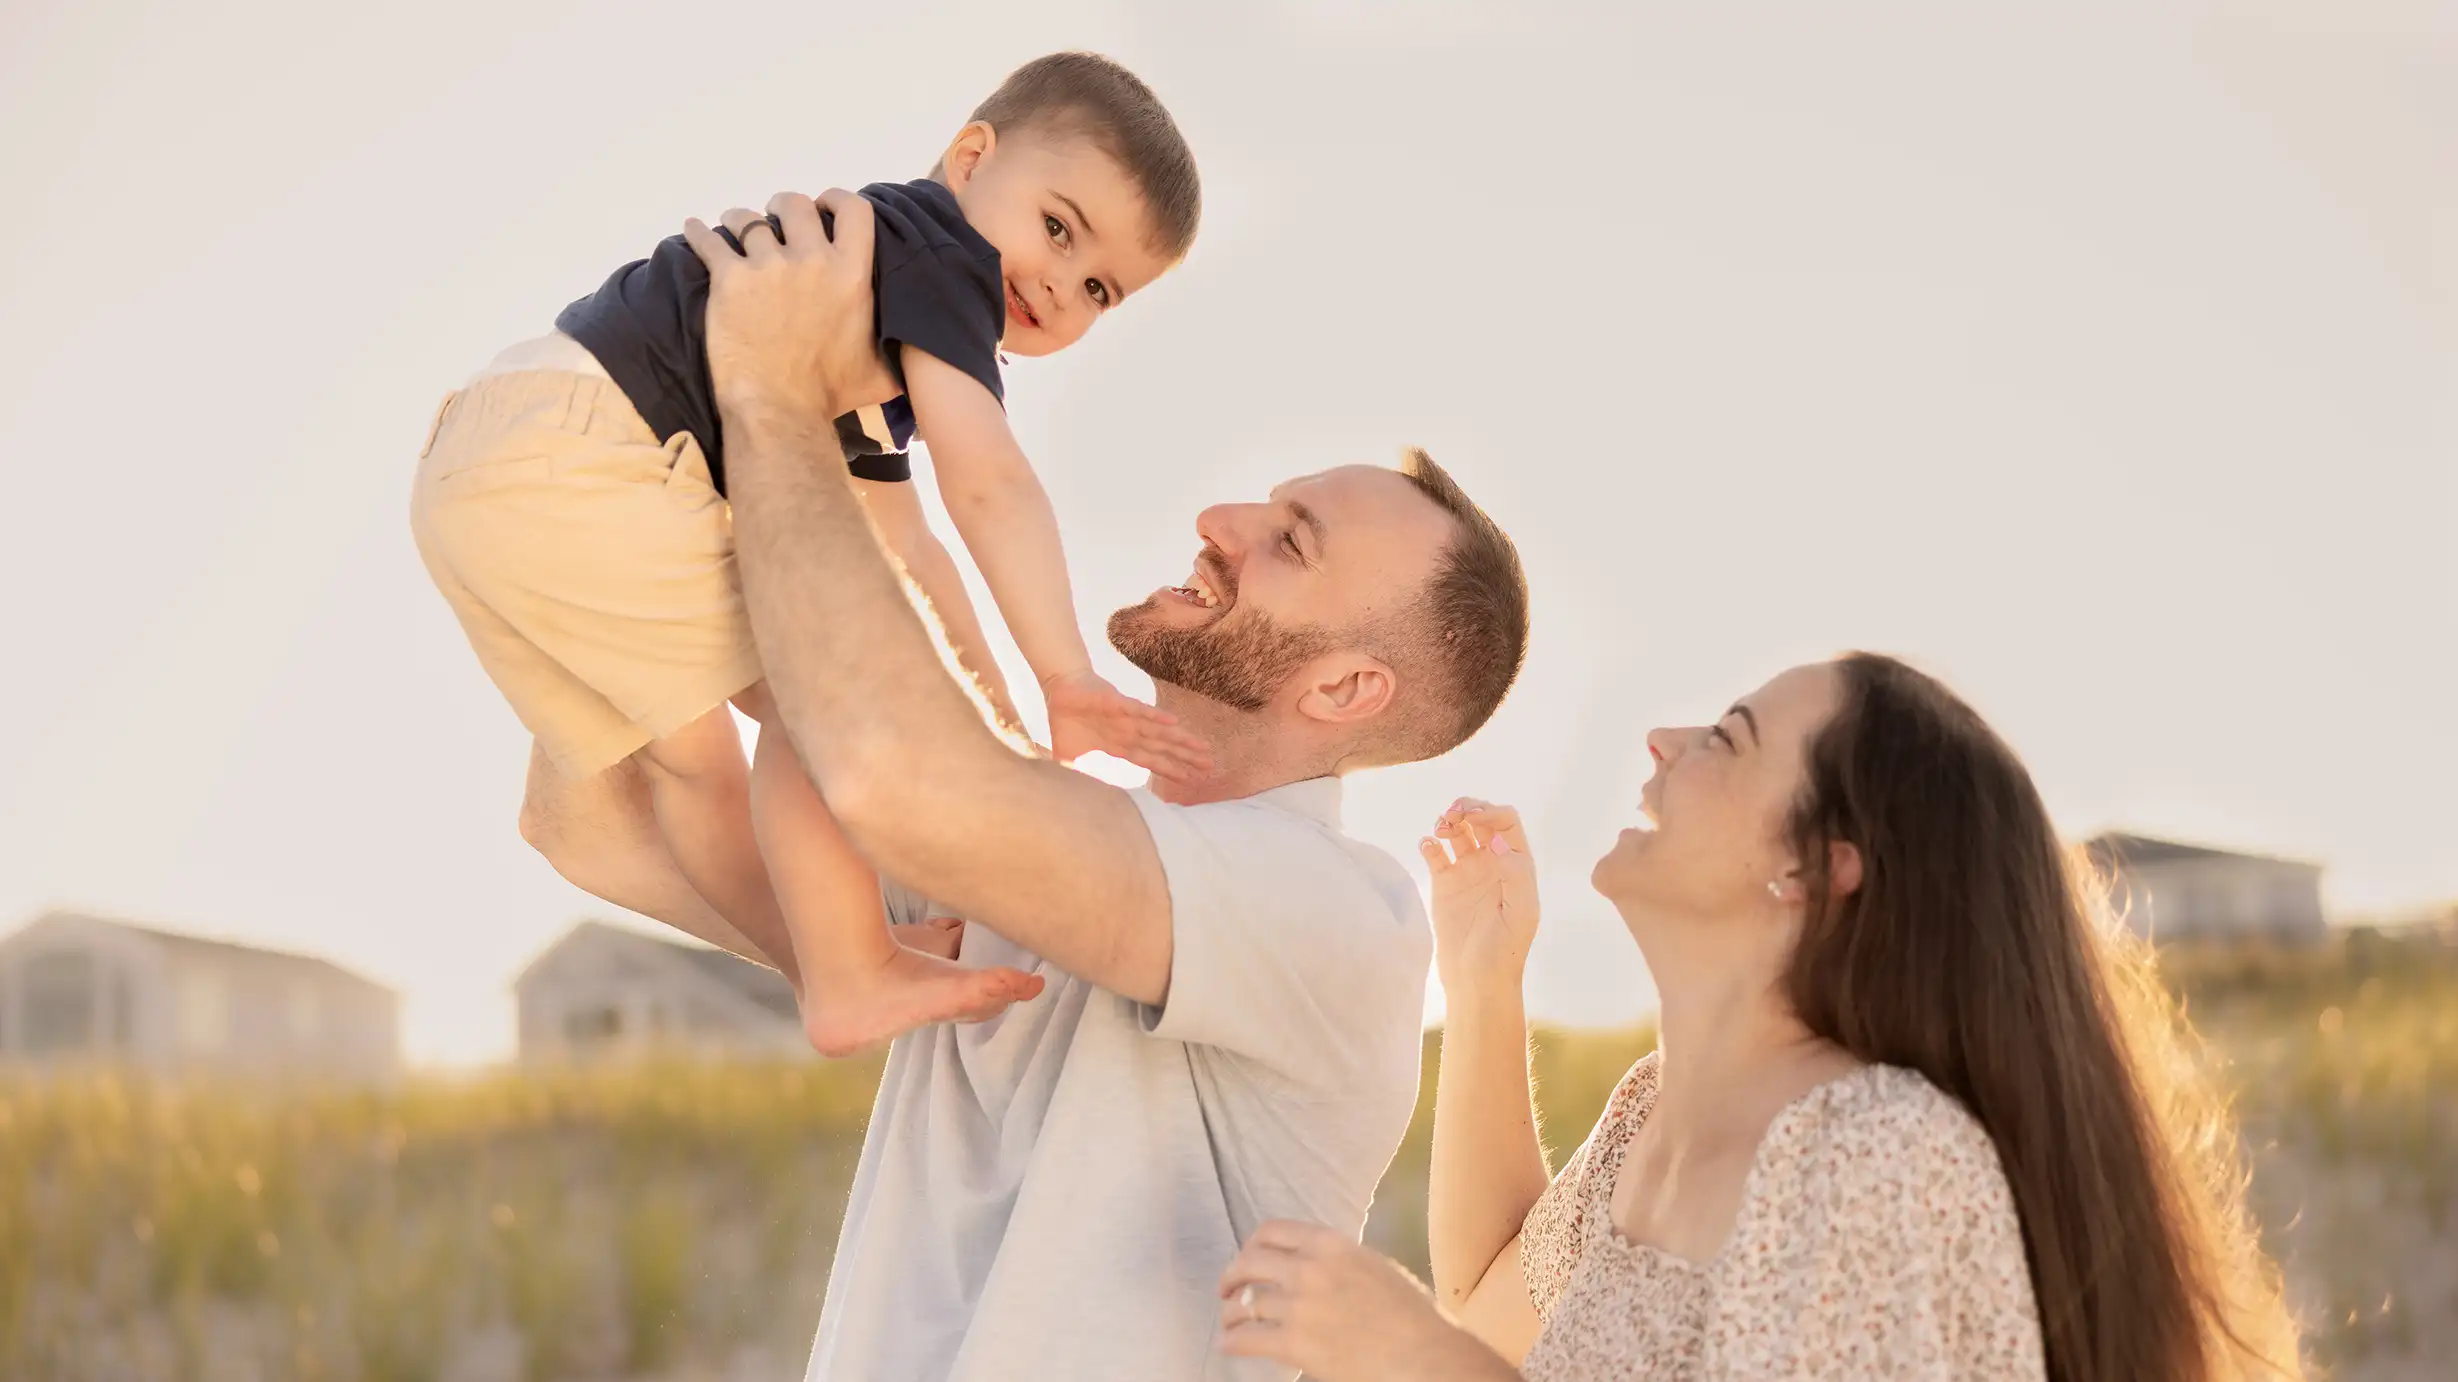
point(205, 947)
point(2117, 848)
point(758, 983)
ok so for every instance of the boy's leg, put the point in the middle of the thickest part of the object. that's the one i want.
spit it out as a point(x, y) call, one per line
point(860, 985)
point(600, 832)
point(699, 789)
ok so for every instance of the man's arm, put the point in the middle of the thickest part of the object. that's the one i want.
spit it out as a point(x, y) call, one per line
point(1055, 861)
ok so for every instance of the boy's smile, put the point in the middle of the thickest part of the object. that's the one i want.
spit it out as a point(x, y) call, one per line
point(1072, 229)
point(1019, 312)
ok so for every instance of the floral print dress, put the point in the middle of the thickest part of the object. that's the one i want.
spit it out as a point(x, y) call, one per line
point(1876, 1237)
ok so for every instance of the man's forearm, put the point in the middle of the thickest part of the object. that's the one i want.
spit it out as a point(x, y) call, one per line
point(856, 680)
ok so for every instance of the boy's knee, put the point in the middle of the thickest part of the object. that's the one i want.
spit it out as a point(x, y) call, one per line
point(708, 750)
point(537, 826)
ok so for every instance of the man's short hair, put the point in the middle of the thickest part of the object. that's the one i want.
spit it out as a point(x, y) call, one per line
point(1461, 646)
point(1088, 95)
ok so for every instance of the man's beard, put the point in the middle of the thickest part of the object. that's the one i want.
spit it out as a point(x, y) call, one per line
point(1240, 662)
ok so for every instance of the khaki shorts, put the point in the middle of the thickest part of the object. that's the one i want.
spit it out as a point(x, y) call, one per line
point(591, 565)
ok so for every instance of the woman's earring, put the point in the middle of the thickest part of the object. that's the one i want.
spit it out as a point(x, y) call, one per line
point(1775, 889)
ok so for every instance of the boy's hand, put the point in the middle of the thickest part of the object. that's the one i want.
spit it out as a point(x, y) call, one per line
point(1484, 894)
point(1087, 713)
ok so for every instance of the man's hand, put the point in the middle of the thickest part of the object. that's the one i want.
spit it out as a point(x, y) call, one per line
point(1087, 713)
point(940, 936)
point(790, 316)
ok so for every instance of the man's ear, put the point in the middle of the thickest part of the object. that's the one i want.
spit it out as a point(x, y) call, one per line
point(965, 153)
point(1346, 689)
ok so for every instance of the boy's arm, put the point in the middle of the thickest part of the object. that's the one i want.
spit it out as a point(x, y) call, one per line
point(1006, 521)
point(895, 509)
point(1001, 511)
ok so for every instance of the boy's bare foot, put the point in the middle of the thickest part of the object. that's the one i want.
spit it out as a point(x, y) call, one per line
point(848, 1013)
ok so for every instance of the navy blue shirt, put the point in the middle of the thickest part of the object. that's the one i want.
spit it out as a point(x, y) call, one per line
point(935, 285)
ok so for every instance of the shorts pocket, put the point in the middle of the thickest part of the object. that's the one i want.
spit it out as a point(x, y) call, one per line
point(687, 477)
point(436, 424)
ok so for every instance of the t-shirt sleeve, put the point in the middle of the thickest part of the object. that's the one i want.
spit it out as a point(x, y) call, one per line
point(1289, 946)
point(946, 302)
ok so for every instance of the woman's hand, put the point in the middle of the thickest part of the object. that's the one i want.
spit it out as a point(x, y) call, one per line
point(1484, 894)
point(1307, 1297)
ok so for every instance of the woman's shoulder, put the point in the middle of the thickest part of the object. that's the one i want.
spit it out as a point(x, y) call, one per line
point(1554, 1235)
point(1885, 1135)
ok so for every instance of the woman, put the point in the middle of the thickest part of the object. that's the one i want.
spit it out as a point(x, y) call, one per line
point(1915, 1112)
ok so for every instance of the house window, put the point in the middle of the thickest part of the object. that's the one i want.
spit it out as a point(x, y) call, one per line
point(591, 1026)
point(59, 999)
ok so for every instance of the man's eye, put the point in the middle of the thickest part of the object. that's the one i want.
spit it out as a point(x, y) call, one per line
point(1056, 227)
point(1100, 291)
point(1289, 540)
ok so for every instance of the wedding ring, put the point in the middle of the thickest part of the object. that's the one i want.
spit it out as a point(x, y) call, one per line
point(1246, 1302)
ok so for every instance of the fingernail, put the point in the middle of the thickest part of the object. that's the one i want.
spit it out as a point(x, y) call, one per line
point(1502, 846)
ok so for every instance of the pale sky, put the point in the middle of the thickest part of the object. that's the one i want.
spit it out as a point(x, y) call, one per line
point(2102, 358)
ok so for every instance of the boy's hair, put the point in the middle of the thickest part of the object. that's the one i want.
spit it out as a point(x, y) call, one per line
point(1087, 95)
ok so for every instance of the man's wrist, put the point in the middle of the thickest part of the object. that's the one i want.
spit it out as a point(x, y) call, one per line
point(766, 413)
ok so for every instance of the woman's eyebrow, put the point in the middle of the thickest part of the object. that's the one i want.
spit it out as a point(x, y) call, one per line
point(1748, 717)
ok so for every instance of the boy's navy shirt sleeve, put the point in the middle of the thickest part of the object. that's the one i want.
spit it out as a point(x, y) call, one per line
point(935, 286)
point(936, 282)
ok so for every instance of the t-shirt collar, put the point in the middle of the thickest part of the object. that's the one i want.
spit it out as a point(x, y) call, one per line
point(1315, 798)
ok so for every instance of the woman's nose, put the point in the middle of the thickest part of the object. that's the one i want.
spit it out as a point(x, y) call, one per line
point(1664, 745)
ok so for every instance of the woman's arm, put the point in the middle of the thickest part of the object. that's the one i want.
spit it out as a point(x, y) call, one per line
point(1488, 1167)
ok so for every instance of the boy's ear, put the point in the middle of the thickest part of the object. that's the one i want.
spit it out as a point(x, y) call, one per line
point(965, 152)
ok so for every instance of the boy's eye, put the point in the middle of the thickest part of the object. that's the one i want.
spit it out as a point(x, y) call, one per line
point(1056, 227)
point(1100, 291)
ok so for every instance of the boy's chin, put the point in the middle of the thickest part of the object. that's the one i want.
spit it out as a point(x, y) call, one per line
point(1031, 346)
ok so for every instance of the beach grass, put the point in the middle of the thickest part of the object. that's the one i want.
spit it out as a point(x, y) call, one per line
point(669, 1219)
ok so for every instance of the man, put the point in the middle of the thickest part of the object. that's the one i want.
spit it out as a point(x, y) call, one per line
point(1230, 1028)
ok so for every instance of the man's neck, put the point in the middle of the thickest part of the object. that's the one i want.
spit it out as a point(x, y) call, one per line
point(1249, 753)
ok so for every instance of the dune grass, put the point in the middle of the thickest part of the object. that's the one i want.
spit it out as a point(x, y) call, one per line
point(660, 1220)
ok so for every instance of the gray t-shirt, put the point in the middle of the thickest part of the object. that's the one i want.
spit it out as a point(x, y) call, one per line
point(1054, 1193)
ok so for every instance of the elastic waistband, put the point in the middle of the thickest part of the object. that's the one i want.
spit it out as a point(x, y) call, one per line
point(554, 351)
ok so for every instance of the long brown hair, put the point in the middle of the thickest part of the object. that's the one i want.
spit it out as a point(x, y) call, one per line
point(1977, 952)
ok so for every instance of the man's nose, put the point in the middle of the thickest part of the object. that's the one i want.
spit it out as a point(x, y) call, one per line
point(1226, 526)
